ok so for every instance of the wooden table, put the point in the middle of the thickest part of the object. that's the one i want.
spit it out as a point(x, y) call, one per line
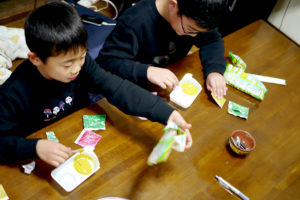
point(271, 171)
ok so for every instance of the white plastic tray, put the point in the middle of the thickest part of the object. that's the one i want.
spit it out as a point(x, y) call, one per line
point(182, 99)
point(67, 177)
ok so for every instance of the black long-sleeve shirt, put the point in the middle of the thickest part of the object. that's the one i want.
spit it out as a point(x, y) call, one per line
point(142, 37)
point(29, 102)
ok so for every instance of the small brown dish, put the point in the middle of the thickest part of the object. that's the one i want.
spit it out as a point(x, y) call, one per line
point(241, 142)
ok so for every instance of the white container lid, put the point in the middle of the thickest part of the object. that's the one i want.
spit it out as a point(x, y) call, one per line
point(67, 176)
point(182, 99)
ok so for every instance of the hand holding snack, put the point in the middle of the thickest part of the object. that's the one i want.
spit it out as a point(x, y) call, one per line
point(216, 83)
point(178, 119)
point(52, 152)
point(173, 138)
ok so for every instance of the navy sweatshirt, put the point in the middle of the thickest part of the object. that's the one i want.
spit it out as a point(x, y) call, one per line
point(142, 37)
point(29, 102)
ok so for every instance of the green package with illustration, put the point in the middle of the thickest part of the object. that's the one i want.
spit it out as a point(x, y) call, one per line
point(237, 61)
point(94, 122)
point(173, 138)
point(238, 110)
point(237, 78)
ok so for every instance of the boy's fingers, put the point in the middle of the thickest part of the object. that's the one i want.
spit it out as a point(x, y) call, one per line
point(162, 85)
point(182, 124)
point(54, 163)
point(65, 149)
point(189, 140)
point(208, 86)
point(174, 78)
point(62, 155)
point(59, 159)
point(169, 83)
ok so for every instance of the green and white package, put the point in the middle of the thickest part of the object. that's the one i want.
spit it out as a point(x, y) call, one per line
point(237, 78)
point(51, 136)
point(173, 138)
point(94, 122)
point(237, 61)
point(238, 110)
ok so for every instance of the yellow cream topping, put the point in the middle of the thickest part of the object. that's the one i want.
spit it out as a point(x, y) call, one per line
point(83, 164)
point(189, 88)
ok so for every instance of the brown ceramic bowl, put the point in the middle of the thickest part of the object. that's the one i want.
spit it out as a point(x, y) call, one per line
point(247, 140)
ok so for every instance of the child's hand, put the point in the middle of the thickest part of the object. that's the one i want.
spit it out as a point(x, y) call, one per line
point(52, 152)
point(178, 119)
point(164, 78)
point(216, 82)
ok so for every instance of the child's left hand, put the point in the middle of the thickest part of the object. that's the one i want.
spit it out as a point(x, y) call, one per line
point(216, 82)
point(178, 119)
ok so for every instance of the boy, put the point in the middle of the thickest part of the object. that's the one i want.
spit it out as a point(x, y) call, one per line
point(55, 81)
point(155, 33)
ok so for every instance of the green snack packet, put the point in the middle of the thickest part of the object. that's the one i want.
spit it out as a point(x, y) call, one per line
point(94, 122)
point(237, 78)
point(238, 110)
point(162, 150)
point(51, 136)
point(160, 153)
point(237, 61)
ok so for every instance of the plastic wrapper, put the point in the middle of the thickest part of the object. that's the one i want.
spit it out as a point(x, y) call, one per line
point(87, 138)
point(220, 102)
point(237, 78)
point(237, 61)
point(51, 136)
point(238, 110)
point(28, 168)
point(173, 138)
point(3, 195)
point(94, 122)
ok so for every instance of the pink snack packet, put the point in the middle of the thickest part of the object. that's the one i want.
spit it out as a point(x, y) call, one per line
point(87, 138)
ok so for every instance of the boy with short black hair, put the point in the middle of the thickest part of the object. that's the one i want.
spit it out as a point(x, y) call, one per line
point(155, 33)
point(55, 81)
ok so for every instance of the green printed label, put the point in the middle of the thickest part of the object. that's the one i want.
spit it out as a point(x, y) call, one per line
point(94, 122)
point(238, 110)
point(51, 136)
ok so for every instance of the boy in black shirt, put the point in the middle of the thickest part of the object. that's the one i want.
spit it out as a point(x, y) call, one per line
point(155, 33)
point(55, 81)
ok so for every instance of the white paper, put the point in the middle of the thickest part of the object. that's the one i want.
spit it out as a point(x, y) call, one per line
point(269, 79)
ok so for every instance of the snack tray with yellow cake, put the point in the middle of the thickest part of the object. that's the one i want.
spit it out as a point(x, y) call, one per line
point(76, 169)
point(186, 92)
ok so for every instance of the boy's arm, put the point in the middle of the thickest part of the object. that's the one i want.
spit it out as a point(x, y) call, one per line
point(118, 52)
point(127, 96)
point(133, 99)
point(211, 52)
point(13, 148)
point(13, 145)
point(212, 58)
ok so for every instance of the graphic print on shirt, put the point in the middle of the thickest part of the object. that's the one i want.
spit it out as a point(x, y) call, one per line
point(56, 110)
point(69, 100)
point(48, 113)
point(51, 114)
point(165, 59)
point(62, 105)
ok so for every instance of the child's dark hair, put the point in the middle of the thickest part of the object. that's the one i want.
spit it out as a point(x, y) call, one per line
point(53, 28)
point(206, 13)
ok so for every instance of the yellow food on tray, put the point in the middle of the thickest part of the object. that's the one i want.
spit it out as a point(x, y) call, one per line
point(189, 88)
point(83, 164)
